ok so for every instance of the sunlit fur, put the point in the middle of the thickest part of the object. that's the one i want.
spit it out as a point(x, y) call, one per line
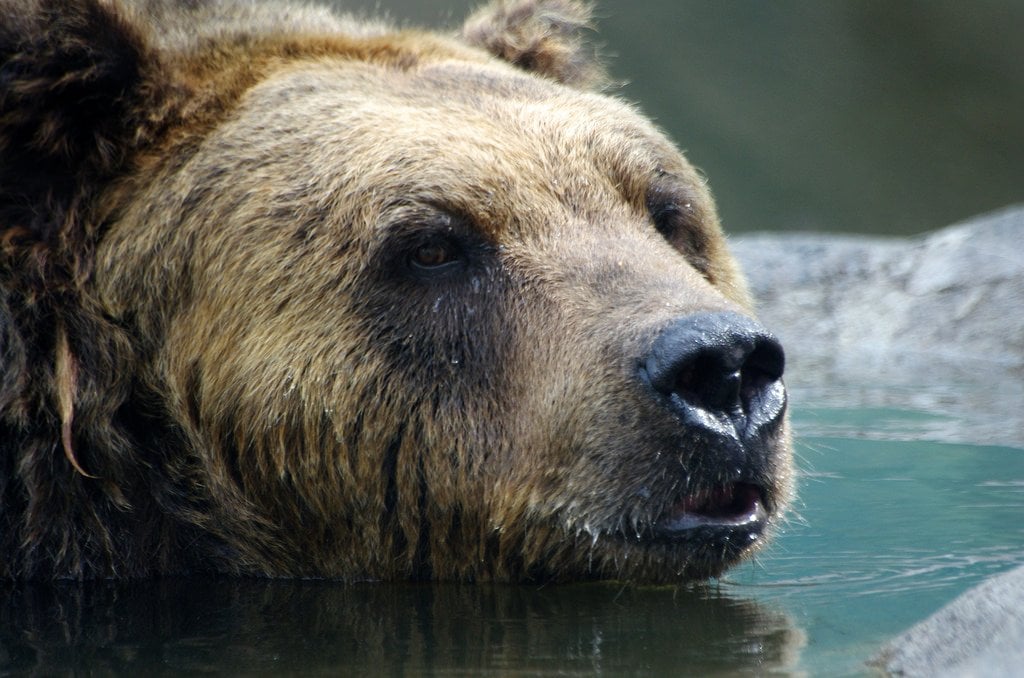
point(214, 356)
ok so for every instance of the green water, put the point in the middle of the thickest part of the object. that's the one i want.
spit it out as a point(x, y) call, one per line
point(893, 521)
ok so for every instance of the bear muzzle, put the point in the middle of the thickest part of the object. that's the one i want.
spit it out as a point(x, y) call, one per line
point(720, 375)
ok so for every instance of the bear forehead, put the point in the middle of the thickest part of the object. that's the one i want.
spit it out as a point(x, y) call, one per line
point(464, 131)
point(461, 105)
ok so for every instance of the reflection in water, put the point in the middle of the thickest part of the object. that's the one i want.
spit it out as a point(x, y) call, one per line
point(267, 626)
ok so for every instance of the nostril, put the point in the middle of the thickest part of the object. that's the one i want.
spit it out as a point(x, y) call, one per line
point(719, 363)
point(709, 382)
point(761, 371)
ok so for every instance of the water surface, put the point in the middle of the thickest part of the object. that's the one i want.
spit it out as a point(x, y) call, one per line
point(892, 523)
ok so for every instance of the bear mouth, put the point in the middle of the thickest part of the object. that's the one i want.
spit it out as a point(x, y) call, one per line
point(732, 508)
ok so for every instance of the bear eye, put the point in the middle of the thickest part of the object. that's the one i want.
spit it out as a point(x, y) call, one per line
point(671, 208)
point(434, 255)
point(668, 216)
point(676, 218)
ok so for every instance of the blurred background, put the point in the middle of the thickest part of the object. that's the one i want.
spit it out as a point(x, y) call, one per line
point(865, 116)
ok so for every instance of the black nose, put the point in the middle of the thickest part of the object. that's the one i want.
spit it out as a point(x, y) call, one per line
point(719, 369)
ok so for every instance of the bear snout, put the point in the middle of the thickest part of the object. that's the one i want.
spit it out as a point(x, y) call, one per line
point(719, 373)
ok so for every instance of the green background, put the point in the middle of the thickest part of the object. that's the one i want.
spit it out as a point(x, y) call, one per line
point(874, 116)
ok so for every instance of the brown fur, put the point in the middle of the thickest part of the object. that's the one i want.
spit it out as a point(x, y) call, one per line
point(216, 356)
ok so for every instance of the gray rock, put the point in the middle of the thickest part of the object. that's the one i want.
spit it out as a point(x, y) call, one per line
point(953, 299)
point(981, 633)
point(891, 315)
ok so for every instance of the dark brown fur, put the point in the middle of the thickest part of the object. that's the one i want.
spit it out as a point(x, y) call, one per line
point(208, 361)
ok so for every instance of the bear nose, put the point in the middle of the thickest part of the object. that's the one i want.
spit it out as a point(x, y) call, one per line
point(718, 367)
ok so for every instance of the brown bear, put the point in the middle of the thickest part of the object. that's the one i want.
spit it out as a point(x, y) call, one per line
point(289, 294)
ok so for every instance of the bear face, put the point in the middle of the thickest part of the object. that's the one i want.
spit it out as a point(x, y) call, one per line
point(380, 305)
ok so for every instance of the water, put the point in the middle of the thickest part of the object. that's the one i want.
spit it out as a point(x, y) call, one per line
point(897, 515)
point(890, 528)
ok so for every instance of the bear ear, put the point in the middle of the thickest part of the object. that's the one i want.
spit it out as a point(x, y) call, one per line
point(541, 36)
point(73, 78)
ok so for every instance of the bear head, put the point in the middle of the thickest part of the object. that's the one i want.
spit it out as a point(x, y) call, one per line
point(291, 294)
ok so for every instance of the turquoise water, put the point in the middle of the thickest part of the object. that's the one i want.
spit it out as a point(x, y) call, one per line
point(895, 518)
point(888, 531)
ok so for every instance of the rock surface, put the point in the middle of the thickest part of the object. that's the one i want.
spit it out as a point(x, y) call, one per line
point(981, 633)
point(891, 315)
